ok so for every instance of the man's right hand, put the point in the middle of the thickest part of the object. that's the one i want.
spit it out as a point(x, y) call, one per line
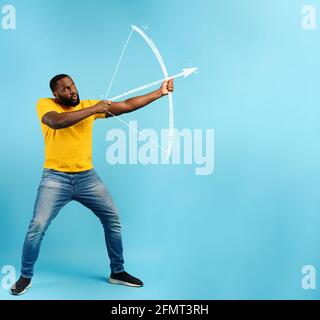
point(102, 106)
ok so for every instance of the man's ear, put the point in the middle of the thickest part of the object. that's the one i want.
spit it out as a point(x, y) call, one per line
point(54, 94)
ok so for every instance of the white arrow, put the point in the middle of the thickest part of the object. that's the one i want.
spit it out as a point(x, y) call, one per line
point(186, 72)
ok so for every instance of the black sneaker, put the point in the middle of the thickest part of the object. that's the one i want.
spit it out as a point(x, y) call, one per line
point(21, 286)
point(125, 279)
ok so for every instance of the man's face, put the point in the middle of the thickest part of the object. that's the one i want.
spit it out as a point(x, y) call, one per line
point(66, 92)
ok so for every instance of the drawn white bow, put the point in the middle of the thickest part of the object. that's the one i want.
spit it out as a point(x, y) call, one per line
point(166, 76)
point(185, 73)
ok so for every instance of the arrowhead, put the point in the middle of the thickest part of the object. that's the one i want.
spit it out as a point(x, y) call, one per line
point(188, 71)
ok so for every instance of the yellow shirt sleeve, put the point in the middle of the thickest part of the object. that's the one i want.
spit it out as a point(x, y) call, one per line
point(97, 115)
point(46, 105)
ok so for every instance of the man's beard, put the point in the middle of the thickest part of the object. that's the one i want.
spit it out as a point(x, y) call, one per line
point(69, 102)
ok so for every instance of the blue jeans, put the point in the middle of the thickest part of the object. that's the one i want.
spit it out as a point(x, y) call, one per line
point(56, 189)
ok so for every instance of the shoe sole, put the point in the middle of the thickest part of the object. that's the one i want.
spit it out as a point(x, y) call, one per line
point(22, 292)
point(115, 281)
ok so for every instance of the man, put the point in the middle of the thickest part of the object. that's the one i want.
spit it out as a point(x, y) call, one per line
point(69, 174)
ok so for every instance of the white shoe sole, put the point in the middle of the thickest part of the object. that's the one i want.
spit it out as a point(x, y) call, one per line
point(22, 292)
point(115, 281)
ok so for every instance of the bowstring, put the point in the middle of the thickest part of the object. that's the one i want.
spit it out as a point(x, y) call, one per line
point(118, 64)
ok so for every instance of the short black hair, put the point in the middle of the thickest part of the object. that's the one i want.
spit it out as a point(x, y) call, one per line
point(55, 79)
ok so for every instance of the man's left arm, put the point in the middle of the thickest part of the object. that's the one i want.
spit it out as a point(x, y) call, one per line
point(135, 103)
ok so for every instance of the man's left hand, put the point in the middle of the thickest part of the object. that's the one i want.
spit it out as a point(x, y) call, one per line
point(167, 86)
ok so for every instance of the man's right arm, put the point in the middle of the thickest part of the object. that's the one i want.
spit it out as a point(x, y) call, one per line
point(56, 120)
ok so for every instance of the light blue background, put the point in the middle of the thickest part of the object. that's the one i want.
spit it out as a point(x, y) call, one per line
point(244, 232)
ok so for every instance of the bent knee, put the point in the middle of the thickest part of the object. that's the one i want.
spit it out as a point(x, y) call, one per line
point(38, 226)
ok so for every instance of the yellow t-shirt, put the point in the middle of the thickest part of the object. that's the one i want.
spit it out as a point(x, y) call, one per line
point(68, 149)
